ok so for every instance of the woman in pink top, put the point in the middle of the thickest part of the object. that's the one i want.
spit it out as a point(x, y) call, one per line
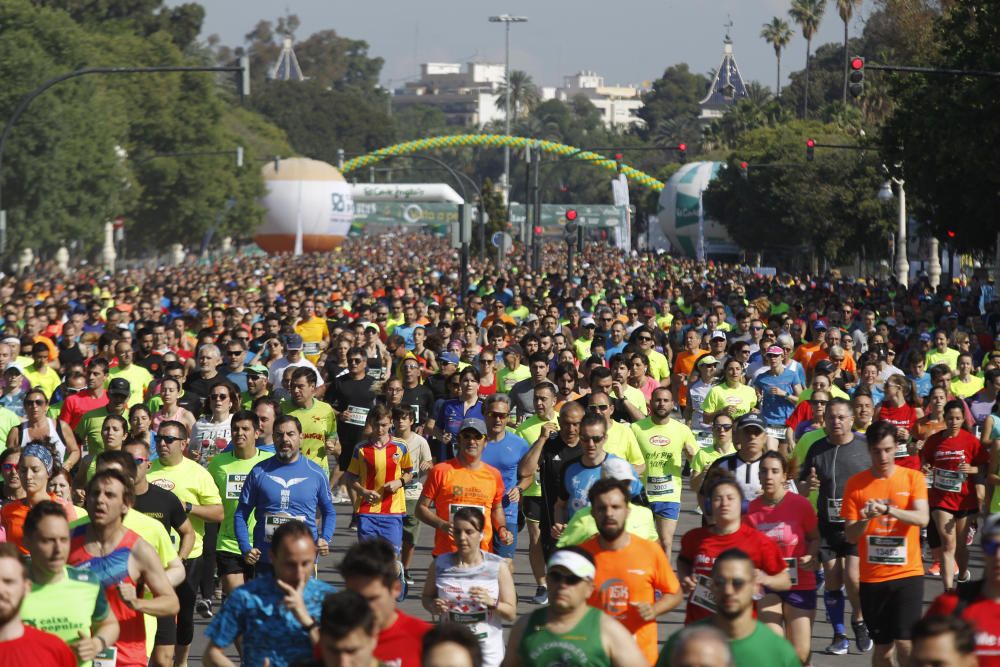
point(790, 520)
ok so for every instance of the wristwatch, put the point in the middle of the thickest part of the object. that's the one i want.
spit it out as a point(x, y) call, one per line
point(188, 507)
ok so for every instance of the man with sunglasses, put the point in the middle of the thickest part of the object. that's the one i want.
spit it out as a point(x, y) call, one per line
point(569, 625)
point(619, 440)
point(750, 641)
point(236, 352)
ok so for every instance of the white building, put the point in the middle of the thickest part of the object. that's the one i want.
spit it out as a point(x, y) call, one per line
point(466, 95)
point(619, 105)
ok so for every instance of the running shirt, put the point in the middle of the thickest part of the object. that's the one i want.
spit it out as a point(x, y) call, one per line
point(162, 506)
point(138, 379)
point(454, 583)
point(776, 409)
point(625, 577)
point(47, 609)
point(77, 405)
point(747, 473)
point(110, 570)
point(950, 489)
point(621, 442)
point(788, 524)
point(318, 423)
point(696, 398)
point(835, 465)
point(229, 473)
point(582, 525)
point(375, 466)
point(701, 546)
point(576, 479)
point(35, 647)
point(904, 416)
point(277, 492)
point(889, 549)
point(451, 486)
point(530, 429)
point(505, 455)
point(208, 438)
point(948, 357)
point(720, 396)
point(14, 513)
point(965, 388)
point(399, 645)
point(760, 647)
point(191, 483)
point(581, 647)
point(662, 447)
point(507, 378)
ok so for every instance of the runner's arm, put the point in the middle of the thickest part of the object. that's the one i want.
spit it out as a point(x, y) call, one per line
point(186, 531)
point(176, 574)
point(209, 513)
point(506, 603)
point(244, 507)
point(215, 657)
point(512, 656)
point(72, 448)
point(164, 601)
point(619, 644)
point(324, 501)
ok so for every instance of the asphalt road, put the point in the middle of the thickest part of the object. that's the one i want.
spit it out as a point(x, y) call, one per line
point(668, 624)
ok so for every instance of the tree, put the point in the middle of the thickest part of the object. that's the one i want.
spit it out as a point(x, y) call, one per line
point(846, 10)
point(672, 105)
point(808, 14)
point(524, 94)
point(141, 17)
point(777, 34)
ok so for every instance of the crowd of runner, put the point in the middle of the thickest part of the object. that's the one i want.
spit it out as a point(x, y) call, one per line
point(179, 442)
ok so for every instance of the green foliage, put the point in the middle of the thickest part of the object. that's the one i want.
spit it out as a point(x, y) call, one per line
point(670, 110)
point(141, 17)
point(495, 210)
point(524, 94)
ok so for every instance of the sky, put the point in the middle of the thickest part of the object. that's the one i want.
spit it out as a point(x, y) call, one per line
point(627, 41)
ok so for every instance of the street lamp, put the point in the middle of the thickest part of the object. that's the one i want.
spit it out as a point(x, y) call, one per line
point(507, 19)
point(901, 266)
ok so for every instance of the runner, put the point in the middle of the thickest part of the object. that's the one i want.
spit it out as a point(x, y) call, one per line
point(777, 393)
point(751, 438)
point(940, 641)
point(731, 395)
point(321, 431)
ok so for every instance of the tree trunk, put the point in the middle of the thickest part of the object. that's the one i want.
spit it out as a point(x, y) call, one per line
point(805, 97)
point(847, 59)
point(777, 89)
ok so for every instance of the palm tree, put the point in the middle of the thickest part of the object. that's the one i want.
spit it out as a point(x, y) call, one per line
point(808, 14)
point(524, 94)
point(777, 34)
point(846, 10)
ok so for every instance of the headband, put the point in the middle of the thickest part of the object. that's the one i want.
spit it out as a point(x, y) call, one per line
point(40, 452)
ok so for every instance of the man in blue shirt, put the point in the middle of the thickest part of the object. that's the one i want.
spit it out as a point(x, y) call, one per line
point(504, 451)
point(275, 617)
point(777, 388)
point(283, 488)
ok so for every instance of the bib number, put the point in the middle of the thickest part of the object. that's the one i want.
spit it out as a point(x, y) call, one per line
point(886, 550)
point(107, 657)
point(793, 570)
point(902, 449)
point(702, 594)
point(311, 349)
point(833, 510)
point(467, 617)
point(777, 432)
point(234, 485)
point(355, 416)
point(948, 480)
point(272, 521)
point(660, 486)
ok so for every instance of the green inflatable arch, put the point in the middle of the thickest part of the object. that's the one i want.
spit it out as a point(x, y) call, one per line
point(499, 141)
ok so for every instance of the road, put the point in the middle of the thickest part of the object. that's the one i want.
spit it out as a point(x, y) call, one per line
point(668, 624)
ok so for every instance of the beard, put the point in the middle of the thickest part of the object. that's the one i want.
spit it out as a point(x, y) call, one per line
point(8, 613)
point(610, 533)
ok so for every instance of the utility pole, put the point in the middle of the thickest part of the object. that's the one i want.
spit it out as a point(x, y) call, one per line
point(507, 19)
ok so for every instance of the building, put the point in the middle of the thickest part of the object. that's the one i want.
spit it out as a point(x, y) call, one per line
point(467, 95)
point(727, 87)
point(287, 67)
point(619, 105)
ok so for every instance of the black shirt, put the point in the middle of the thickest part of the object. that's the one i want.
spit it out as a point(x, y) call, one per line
point(163, 506)
point(421, 399)
point(352, 399)
point(152, 363)
point(555, 453)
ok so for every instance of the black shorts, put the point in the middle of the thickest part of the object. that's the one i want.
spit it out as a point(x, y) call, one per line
point(166, 631)
point(531, 507)
point(833, 543)
point(958, 514)
point(226, 562)
point(892, 607)
point(344, 458)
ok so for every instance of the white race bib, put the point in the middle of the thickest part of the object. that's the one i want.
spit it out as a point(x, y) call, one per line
point(902, 449)
point(833, 510)
point(777, 432)
point(948, 480)
point(702, 594)
point(272, 521)
point(704, 439)
point(234, 485)
point(886, 550)
point(659, 486)
point(356, 416)
point(106, 658)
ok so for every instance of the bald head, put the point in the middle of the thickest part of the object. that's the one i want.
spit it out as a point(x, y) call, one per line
point(701, 646)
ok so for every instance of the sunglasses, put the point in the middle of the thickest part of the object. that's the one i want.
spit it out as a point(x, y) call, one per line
point(599, 408)
point(139, 461)
point(35, 401)
point(169, 439)
point(487, 361)
point(7, 467)
point(219, 397)
point(497, 415)
point(560, 578)
point(591, 438)
point(355, 361)
point(645, 338)
point(723, 427)
point(737, 583)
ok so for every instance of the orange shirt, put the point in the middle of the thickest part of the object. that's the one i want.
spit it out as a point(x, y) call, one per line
point(683, 365)
point(14, 513)
point(847, 364)
point(450, 486)
point(889, 548)
point(375, 466)
point(627, 576)
point(803, 354)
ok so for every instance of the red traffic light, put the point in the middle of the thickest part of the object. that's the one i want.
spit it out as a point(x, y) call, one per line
point(810, 143)
point(682, 147)
point(538, 230)
point(619, 157)
point(857, 63)
point(951, 233)
point(744, 165)
point(571, 214)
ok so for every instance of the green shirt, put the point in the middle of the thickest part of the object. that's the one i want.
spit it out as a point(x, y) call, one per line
point(506, 378)
point(138, 378)
point(319, 423)
point(582, 526)
point(89, 429)
point(949, 357)
point(68, 607)
point(580, 647)
point(229, 474)
point(662, 447)
point(721, 396)
point(530, 429)
point(761, 647)
point(802, 449)
point(191, 484)
point(8, 420)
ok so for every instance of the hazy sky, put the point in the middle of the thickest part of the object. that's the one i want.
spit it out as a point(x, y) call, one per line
point(626, 41)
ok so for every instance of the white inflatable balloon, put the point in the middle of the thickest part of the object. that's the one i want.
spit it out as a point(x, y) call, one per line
point(681, 211)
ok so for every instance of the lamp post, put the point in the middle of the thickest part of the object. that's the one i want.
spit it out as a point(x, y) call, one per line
point(507, 19)
point(901, 265)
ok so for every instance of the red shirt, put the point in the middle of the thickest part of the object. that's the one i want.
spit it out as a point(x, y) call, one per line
point(701, 546)
point(77, 405)
point(35, 647)
point(905, 416)
point(399, 644)
point(788, 524)
point(951, 490)
point(984, 615)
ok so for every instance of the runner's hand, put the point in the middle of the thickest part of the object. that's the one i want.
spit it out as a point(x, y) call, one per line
point(482, 596)
point(507, 537)
point(807, 562)
point(294, 601)
point(548, 428)
point(688, 584)
point(813, 480)
point(557, 530)
point(514, 495)
point(323, 546)
point(440, 607)
point(645, 610)
point(251, 557)
point(127, 593)
point(85, 648)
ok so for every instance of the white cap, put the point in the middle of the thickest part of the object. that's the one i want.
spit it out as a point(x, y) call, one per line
point(574, 562)
point(616, 468)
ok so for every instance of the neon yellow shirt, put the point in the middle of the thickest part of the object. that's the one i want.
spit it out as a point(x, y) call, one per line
point(48, 381)
point(229, 474)
point(662, 447)
point(802, 450)
point(659, 369)
point(191, 483)
point(949, 356)
point(138, 378)
point(622, 443)
point(506, 378)
point(319, 422)
point(582, 526)
point(530, 429)
point(965, 389)
point(721, 396)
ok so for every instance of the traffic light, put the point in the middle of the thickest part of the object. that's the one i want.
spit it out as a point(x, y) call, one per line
point(243, 80)
point(856, 78)
point(682, 151)
point(744, 170)
point(571, 215)
point(951, 233)
point(619, 158)
point(810, 149)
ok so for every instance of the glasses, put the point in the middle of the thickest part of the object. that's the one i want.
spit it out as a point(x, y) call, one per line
point(234, 353)
point(219, 397)
point(560, 578)
point(644, 338)
point(607, 319)
point(406, 367)
point(35, 401)
point(355, 360)
point(8, 467)
point(497, 415)
point(757, 328)
point(599, 407)
point(736, 583)
point(722, 427)
point(487, 361)
point(818, 403)
point(591, 438)
point(169, 439)
point(139, 460)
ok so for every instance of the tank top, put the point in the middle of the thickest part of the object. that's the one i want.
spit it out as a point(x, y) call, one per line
point(580, 647)
point(53, 436)
point(112, 569)
point(453, 586)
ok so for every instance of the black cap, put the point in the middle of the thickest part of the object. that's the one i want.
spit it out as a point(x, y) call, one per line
point(751, 419)
point(119, 387)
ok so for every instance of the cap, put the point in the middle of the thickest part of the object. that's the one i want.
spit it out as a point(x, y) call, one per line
point(293, 342)
point(926, 337)
point(531, 318)
point(826, 366)
point(449, 358)
point(718, 334)
point(573, 561)
point(751, 419)
point(374, 327)
point(616, 468)
point(707, 359)
point(477, 425)
point(775, 350)
point(257, 369)
point(588, 322)
point(120, 387)
point(819, 325)
point(513, 349)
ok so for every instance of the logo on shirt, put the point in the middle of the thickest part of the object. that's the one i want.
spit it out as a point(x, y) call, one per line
point(659, 441)
point(163, 483)
point(289, 483)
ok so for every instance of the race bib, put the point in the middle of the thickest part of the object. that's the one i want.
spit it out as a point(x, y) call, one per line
point(902, 449)
point(416, 413)
point(704, 439)
point(833, 510)
point(659, 486)
point(793, 570)
point(355, 416)
point(234, 485)
point(702, 594)
point(467, 617)
point(272, 521)
point(106, 658)
point(886, 550)
point(310, 348)
point(777, 432)
point(948, 480)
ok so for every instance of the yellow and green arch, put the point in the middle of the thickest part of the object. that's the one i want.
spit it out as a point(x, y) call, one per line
point(499, 141)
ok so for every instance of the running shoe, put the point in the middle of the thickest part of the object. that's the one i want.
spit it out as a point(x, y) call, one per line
point(964, 577)
point(970, 536)
point(541, 596)
point(861, 637)
point(204, 608)
point(840, 646)
point(935, 569)
point(408, 578)
point(403, 586)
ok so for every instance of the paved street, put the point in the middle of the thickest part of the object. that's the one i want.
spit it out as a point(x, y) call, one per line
point(525, 587)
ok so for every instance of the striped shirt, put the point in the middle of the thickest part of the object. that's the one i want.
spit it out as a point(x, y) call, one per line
point(375, 466)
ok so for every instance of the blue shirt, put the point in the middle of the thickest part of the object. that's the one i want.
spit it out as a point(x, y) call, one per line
point(577, 479)
point(255, 612)
point(776, 409)
point(276, 492)
point(407, 333)
point(504, 455)
point(923, 384)
point(451, 413)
